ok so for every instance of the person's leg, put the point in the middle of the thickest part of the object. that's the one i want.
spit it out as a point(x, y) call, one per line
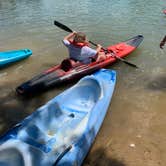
point(101, 57)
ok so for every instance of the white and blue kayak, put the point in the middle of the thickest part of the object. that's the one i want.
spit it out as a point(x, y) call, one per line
point(62, 131)
point(9, 57)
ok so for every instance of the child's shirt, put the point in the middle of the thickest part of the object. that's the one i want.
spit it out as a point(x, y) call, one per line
point(82, 54)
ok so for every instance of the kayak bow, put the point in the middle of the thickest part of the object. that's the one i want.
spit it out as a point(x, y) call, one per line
point(9, 57)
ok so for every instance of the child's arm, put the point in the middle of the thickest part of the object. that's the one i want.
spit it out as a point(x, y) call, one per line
point(71, 35)
point(98, 48)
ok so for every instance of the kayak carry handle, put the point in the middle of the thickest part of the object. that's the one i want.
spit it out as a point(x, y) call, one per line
point(62, 154)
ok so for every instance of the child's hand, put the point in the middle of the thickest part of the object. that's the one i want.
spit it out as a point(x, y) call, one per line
point(99, 46)
point(74, 32)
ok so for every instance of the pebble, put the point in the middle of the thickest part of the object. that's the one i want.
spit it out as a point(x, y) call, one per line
point(132, 145)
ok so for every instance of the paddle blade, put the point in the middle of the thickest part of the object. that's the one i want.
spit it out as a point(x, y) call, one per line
point(64, 27)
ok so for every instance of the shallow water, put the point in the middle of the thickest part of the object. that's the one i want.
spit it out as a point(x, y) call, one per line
point(139, 94)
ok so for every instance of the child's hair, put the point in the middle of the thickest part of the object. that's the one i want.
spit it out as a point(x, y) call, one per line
point(80, 37)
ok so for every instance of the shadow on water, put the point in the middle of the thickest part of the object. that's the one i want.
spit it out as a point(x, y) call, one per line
point(100, 157)
point(159, 83)
point(14, 108)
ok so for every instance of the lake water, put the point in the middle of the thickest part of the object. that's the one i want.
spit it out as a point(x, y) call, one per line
point(139, 94)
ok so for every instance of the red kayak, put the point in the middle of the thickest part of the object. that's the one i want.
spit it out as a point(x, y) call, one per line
point(164, 11)
point(69, 70)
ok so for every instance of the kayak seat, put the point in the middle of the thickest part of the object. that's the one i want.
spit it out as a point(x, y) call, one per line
point(32, 135)
point(68, 64)
point(37, 132)
point(17, 153)
point(11, 154)
point(8, 159)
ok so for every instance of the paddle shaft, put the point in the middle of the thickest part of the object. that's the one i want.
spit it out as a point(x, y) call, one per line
point(64, 27)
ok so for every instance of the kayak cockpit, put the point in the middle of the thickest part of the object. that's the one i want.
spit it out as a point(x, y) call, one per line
point(84, 95)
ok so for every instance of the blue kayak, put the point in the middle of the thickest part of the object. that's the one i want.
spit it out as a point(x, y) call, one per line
point(61, 131)
point(13, 56)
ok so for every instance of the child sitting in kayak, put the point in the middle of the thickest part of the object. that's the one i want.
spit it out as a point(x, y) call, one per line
point(80, 51)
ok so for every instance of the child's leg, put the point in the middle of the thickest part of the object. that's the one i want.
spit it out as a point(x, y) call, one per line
point(101, 57)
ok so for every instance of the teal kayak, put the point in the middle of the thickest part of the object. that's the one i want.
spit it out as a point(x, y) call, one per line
point(9, 57)
point(62, 131)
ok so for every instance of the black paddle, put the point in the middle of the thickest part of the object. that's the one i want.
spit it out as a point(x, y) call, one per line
point(64, 27)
